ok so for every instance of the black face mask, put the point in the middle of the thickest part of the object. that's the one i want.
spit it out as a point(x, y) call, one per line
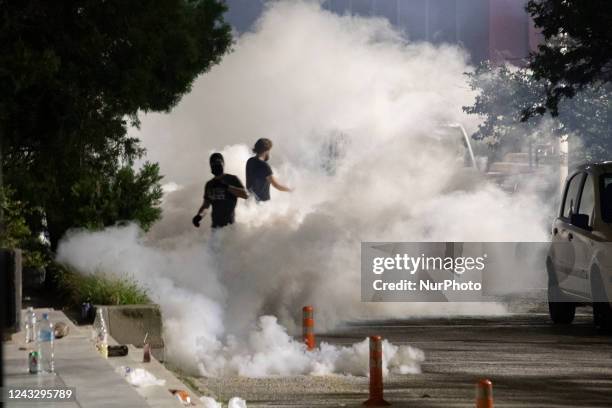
point(216, 168)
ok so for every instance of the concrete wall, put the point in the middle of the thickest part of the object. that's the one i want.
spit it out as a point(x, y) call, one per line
point(128, 324)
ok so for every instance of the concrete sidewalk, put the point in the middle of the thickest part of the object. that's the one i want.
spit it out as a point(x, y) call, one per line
point(79, 365)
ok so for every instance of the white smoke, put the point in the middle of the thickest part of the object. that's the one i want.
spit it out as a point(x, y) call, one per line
point(234, 402)
point(355, 114)
point(194, 320)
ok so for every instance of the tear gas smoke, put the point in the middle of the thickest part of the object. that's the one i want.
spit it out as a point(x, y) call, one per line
point(234, 402)
point(355, 113)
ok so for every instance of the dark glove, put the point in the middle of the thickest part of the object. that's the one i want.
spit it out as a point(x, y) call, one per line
point(196, 220)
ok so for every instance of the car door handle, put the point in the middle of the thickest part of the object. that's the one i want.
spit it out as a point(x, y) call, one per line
point(570, 236)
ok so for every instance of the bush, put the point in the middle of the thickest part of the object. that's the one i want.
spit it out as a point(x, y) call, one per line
point(98, 288)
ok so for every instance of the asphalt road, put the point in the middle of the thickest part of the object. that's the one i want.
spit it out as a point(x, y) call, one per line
point(530, 362)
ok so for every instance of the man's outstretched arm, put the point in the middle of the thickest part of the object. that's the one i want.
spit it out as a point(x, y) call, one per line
point(277, 185)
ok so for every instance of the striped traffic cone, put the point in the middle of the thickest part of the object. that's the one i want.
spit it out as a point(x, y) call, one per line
point(308, 327)
point(484, 394)
point(376, 374)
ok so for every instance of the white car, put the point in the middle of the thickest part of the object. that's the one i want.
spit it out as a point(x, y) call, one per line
point(579, 262)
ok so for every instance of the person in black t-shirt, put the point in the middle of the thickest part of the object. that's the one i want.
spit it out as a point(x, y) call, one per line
point(221, 192)
point(259, 173)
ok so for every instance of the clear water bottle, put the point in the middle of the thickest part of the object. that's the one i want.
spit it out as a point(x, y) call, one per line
point(30, 325)
point(100, 333)
point(45, 345)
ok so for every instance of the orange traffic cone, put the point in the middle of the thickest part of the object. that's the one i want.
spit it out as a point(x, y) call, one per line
point(484, 394)
point(308, 327)
point(376, 374)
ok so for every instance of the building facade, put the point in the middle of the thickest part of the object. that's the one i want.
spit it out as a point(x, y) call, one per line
point(496, 30)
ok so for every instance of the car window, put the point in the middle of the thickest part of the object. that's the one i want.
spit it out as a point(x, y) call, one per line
point(571, 196)
point(587, 199)
point(606, 197)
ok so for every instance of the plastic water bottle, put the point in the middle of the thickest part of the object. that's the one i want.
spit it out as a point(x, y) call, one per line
point(30, 325)
point(101, 333)
point(45, 345)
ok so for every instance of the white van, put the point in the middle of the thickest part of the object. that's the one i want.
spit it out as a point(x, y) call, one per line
point(579, 262)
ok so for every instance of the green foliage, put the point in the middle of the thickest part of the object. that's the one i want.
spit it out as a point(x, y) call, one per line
point(576, 53)
point(98, 288)
point(15, 228)
point(73, 77)
point(17, 234)
point(125, 195)
point(589, 117)
point(504, 93)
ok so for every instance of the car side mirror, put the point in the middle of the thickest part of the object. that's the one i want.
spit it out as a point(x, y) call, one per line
point(580, 221)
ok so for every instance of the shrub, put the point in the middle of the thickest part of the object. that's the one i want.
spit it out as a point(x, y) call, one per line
point(98, 288)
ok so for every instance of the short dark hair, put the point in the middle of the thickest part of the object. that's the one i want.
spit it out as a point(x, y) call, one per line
point(216, 157)
point(262, 146)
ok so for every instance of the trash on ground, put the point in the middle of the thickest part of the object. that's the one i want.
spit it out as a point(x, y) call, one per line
point(210, 402)
point(139, 377)
point(237, 403)
point(183, 396)
point(60, 329)
point(117, 351)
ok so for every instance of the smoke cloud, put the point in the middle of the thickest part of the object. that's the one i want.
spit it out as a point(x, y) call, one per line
point(358, 117)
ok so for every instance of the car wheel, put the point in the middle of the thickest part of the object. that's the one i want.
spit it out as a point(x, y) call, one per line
point(602, 312)
point(561, 312)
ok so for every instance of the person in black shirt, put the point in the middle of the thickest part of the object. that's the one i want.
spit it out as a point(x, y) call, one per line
point(259, 173)
point(221, 192)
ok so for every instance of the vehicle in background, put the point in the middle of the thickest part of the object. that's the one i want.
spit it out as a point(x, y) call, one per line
point(579, 262)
